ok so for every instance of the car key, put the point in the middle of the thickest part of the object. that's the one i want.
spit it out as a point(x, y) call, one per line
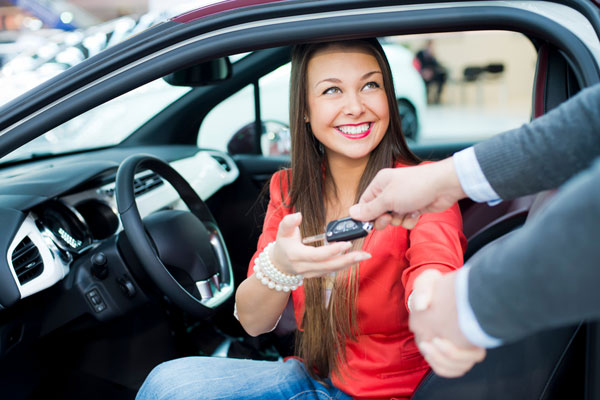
point(341, 230)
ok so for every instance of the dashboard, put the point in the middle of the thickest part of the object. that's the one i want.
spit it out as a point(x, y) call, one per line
point(56, 214)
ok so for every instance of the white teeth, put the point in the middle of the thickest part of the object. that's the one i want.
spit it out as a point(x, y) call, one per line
point(355, 130)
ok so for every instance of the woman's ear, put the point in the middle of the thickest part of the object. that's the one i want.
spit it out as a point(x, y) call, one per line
point(305, 118)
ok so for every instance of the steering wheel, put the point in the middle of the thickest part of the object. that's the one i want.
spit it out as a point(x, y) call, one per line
point(182, 252)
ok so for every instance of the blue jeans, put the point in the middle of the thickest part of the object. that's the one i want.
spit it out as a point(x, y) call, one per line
point(212, 378)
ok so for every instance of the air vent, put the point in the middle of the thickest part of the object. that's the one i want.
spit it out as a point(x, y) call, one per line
point(27, 261)
point(222, 161)
point(146, 183)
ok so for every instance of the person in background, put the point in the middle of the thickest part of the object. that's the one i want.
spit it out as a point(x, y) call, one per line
point(433, 73)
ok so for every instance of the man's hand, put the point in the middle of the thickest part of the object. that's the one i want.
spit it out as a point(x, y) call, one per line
point(434, 321)
point(408, 192)
point(448, 360)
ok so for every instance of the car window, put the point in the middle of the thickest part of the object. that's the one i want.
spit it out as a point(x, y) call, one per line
point(232, 116)
point(486, 83)
point(450, 88)
point(221, 131)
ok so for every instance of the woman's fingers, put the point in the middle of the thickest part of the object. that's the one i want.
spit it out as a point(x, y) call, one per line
point(322, 253)
point(423, 286)
point(311, 269)
point(289, 224)
point(290, 256)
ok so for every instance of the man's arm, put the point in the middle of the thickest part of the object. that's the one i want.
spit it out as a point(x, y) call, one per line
point(546, 152)
point(547, 273)
point(542, 276)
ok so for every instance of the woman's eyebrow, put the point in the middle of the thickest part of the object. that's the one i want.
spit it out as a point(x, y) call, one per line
point(368, 74)
point(336, 80)
point(332, 80)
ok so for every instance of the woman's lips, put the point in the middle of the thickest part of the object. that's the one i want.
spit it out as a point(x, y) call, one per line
point(357, 131)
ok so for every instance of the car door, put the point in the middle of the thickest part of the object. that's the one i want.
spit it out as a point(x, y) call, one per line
point(564, 36)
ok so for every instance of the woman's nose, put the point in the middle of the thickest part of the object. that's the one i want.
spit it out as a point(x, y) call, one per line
point(354, 105)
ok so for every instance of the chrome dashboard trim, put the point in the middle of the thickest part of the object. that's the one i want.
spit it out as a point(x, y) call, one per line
point(54, 269)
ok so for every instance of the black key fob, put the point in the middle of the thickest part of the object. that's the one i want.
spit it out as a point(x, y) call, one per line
point(347, 229)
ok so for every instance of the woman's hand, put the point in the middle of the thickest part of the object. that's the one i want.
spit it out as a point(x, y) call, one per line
point(292, 257)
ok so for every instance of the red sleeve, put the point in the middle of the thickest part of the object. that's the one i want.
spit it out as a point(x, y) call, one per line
point(436, 242)
point(275, 212)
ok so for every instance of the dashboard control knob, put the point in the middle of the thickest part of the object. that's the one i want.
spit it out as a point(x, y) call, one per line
point(126, 286)
point(99, 265)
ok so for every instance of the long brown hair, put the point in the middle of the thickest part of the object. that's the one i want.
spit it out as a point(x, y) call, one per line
point(325, 329)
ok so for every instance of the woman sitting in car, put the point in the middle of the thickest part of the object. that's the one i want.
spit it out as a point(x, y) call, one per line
point(351, 299)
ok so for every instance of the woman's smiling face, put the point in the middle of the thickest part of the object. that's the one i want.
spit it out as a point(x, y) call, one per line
point(347, 104)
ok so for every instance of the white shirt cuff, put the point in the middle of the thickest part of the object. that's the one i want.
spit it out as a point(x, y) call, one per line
point(466, 317)
point(472, 179)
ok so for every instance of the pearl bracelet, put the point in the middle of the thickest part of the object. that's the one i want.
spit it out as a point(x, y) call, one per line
point(271, 277)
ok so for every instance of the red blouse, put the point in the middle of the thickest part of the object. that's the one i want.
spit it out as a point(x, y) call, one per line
point(385, 362)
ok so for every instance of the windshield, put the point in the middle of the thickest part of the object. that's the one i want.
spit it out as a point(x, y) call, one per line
point(109, 123)
point(106, 125)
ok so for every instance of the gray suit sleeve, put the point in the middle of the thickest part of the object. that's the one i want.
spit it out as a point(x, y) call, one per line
point(546, 152)
point(546, 274)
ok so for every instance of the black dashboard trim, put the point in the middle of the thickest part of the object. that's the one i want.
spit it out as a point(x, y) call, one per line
point(46, 183)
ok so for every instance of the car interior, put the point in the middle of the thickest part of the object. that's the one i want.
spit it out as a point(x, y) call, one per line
point(101, 215)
